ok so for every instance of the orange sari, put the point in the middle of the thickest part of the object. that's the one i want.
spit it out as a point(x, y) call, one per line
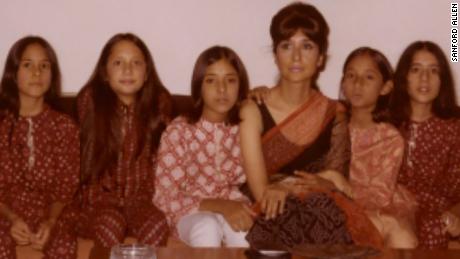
point(312, 139)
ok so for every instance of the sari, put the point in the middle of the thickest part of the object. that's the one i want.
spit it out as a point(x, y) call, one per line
point(313, 138)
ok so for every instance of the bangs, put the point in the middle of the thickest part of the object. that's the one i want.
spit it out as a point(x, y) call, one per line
point(307, 26)
point(305, 19)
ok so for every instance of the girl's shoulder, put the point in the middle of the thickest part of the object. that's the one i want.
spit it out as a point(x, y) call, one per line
point(179, 123)
point(454, 127)
point(61, 119)
point(388, 127)
point(443, 125)
point(387, 130)
point(249, 109)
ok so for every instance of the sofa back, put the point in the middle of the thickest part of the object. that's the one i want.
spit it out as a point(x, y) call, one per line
point(181, 105)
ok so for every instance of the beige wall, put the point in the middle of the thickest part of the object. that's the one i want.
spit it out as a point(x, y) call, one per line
point(176, 31)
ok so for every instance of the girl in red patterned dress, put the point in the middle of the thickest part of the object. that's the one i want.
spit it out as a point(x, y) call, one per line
point(377, 148)
point(122, 111)
point(39, 151)
point(199, 166)
point(426, 111)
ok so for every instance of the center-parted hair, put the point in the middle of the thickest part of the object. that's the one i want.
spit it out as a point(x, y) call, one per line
point(9, 91)
point(101, 126)
point(206, 59)
point(303, 17)
point(444, 106)
point(381, 112)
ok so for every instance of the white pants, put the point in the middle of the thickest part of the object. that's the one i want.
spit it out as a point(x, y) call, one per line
point(208, 229)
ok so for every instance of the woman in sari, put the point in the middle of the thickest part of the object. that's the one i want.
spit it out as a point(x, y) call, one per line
point(296, 140)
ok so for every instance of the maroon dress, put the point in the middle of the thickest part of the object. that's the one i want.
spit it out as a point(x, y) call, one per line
point(39, 165)
point(431, 171)
point(120, 204)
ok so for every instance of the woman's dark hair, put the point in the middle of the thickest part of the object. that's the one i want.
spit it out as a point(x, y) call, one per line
point(381, 112)
point(9, 92)
point(444, 105)
point(101, 128)
point(303, 17)
point(206, 59)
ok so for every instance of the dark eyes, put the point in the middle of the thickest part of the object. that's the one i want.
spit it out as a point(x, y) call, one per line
point(45, 65)
point(352, 76)
point(435, 70)
point(417, 69)
point(414, 69)
point(135, 62)
point(289, 45)
point(138, 62)
point(349, 75)
point(42, 65)
point(209, 80)
point(285, 45)
point(26, 64)
point(232, 80)
point(308, 46)
point(370, 77)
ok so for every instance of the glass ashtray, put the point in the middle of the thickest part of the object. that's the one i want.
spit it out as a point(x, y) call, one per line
point(134, 251)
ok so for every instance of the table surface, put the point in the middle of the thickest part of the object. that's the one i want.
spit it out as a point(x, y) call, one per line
point(238, 253)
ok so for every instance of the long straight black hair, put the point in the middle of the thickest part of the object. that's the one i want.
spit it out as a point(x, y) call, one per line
point(444, 106)
point(101, 128)
point(9, 91)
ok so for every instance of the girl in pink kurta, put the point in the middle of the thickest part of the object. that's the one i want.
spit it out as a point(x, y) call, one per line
point(427, 113)
point(39, 152)
point(199, 169)
point(377, 147)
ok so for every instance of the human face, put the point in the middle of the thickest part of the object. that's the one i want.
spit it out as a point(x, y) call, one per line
point(219, 90)
point(298, 59)
point(362, 83)
point(423, 80)
point(34, 73)
point(126, 70)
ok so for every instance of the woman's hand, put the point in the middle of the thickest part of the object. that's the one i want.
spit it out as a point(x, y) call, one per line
point(39, 239)
point(20, 231)
point(452, 223)
point(306, 182)
point(259, 94)
point(273, 200)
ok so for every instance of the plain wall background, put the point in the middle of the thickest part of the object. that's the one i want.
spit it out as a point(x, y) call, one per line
point(176, 31)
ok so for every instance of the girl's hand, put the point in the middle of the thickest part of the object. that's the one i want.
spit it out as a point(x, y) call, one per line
point(339, 181)
point(20, 231)
point(452, 223)
point(259, 93)
point(39, 239)
point(274, 198)
point(238, 215)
